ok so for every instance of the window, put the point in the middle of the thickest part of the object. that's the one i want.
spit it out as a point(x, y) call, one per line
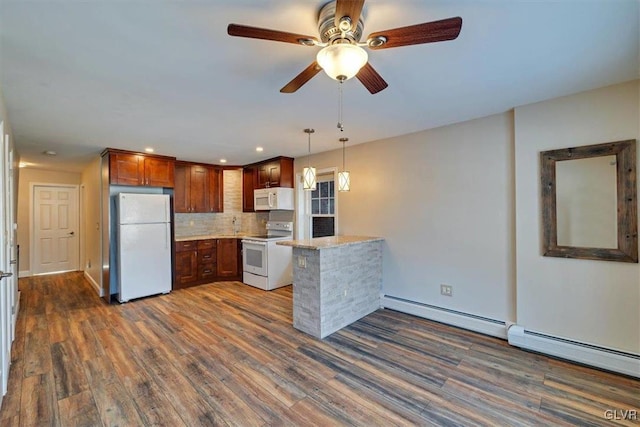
point(323, 207)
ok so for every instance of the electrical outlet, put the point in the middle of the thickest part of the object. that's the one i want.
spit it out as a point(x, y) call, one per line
point(345, 292)
point(302, 261)
point(446, 290)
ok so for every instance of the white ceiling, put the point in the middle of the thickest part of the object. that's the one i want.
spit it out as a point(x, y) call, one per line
point(81, 76)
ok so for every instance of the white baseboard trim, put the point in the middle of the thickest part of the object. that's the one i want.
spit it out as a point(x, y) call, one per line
point(495, 328)
point(600, 357)
point(95, 284)
point(24, 273)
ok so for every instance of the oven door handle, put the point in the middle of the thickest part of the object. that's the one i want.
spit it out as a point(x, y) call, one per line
point(254, 242)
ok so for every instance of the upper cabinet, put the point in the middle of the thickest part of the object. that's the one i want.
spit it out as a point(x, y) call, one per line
point(130, 168)
point(249, 177)
point(198, 188)
point(276, 172)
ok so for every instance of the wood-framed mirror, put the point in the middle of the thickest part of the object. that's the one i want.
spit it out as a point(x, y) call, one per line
point(616, 210)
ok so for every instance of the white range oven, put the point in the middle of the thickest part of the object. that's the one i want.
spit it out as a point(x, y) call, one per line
point(266, 265)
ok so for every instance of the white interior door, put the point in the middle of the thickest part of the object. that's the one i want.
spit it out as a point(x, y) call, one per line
point(5, 304)
point(12, 238)
point(55, 229)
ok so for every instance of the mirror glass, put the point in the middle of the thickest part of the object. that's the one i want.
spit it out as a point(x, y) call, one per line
point(586, 205)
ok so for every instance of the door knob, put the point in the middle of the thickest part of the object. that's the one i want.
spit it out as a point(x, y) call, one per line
point(71, 233)
point(3, 274)
point(13, 261)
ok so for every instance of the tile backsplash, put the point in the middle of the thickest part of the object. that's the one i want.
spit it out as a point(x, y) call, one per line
point(231, 221)
point(220, 223)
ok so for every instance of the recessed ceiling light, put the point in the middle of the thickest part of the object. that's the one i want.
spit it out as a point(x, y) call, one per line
point(149, 150)
point(259, 149)
point(223, 160)
point(49, 153)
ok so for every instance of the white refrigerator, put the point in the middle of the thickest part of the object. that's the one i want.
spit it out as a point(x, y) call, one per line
point(144, 245)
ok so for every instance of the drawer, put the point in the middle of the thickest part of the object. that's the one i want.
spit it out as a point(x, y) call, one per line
point(206, 244)
point(189, 245)
point(206, 255)
point(206, 271)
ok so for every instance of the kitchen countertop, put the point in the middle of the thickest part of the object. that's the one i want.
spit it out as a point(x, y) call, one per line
point(210, 236)
point(328, 242)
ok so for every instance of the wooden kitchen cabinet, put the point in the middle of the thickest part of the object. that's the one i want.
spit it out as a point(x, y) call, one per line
point(205, 261)
point(186, 264)
point(137, 169)
point(227, 257)
point(215, 202)
point(198, 188)
point(248, 185)
point(276, 172)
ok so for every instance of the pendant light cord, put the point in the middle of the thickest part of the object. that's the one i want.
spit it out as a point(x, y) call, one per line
point(309, 155)
point(340, 123)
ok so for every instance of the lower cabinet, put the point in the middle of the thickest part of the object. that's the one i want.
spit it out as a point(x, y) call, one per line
point(205, 261)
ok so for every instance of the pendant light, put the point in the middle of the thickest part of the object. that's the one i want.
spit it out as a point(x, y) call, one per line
point(309, 173)
point(344, 178)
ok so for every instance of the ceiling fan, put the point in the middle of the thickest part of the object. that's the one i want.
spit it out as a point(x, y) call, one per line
point(342, 56)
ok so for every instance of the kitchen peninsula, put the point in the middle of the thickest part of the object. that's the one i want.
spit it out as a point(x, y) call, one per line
point(336, 281)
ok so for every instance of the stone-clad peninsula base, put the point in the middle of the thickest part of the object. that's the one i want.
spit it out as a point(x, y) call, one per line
point(339, 283)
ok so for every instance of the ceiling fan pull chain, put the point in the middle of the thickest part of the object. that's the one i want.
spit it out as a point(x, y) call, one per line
point(340, 123)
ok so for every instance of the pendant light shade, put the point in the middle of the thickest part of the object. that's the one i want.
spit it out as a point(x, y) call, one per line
point(344, 178)
point(309, 173)
point(309, 178)
point(344, 181)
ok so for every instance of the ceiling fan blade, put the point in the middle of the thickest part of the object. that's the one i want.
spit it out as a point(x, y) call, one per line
point(370, 78)
point(299, 80)
point(266, 34)
point(350, 8)
point(428, 32)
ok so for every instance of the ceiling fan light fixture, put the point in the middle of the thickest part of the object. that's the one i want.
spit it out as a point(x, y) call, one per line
point(342, 61)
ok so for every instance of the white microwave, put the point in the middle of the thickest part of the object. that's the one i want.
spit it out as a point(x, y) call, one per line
point(274, 198)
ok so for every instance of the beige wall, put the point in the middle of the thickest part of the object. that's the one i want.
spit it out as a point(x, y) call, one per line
point(447, 203)
point(91, 251)
point(588, 301)
point(443, 200)
point(27, 177)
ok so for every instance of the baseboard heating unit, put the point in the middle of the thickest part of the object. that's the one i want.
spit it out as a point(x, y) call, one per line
point(484, 325)
point(612, 360)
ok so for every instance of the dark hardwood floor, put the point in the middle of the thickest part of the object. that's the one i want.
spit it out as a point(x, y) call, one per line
point(226, 354)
